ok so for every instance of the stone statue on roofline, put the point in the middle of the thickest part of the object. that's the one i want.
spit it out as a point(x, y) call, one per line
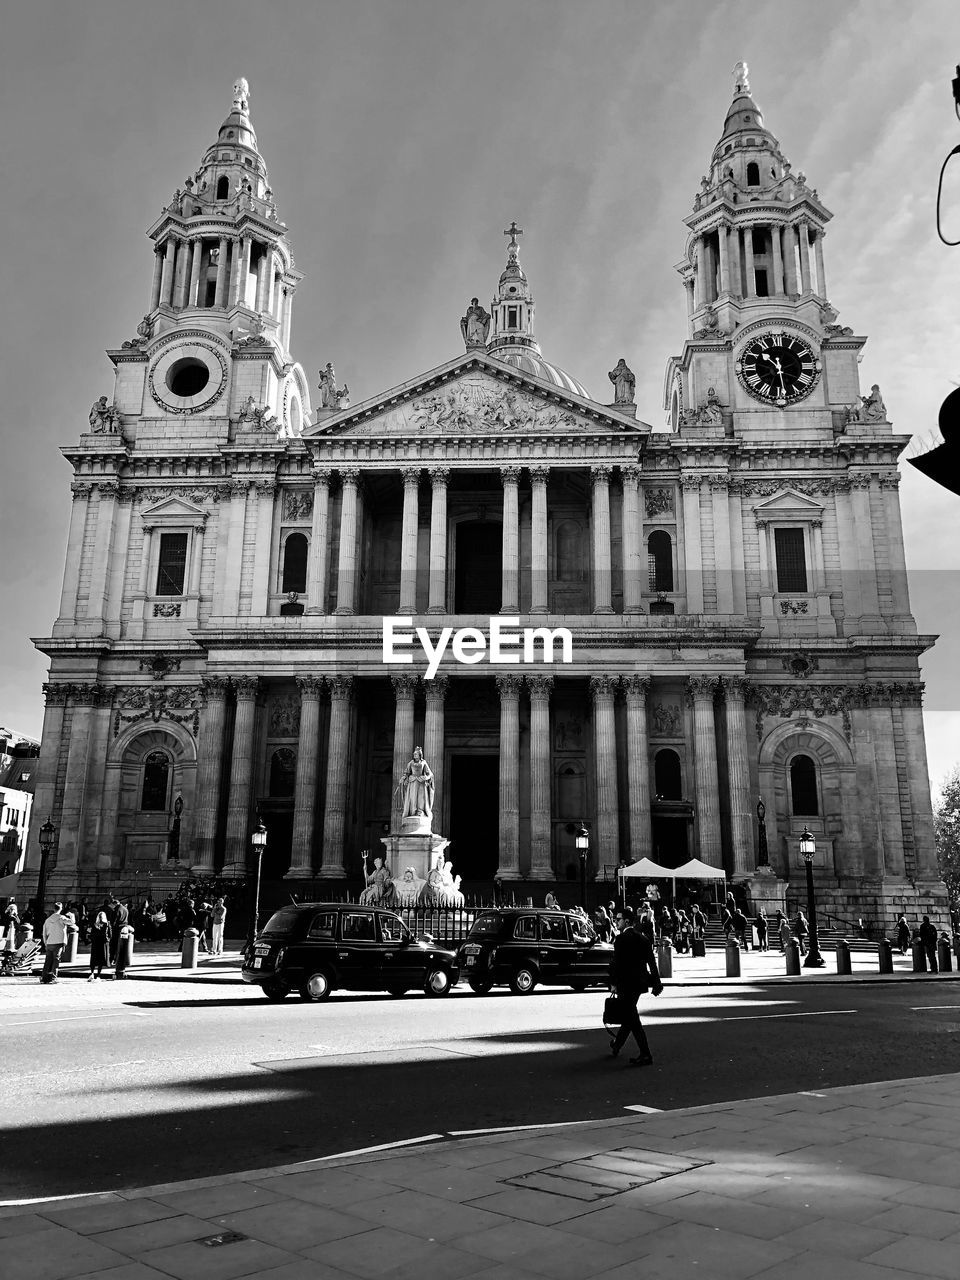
point(332, 396)
point(475, 325)
point(624, 383)
point(870, 409)
point(104, 418)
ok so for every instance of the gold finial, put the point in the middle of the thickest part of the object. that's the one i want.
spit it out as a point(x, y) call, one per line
point(241, 95)
point(741, 83)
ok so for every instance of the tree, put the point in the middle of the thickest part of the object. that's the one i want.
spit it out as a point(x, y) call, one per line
point(946, 821)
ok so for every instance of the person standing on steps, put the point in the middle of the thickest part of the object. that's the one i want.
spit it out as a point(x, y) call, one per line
point(633, 972)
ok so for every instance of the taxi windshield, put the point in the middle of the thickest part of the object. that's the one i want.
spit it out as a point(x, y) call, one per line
point(486, 926)
point(282, 922)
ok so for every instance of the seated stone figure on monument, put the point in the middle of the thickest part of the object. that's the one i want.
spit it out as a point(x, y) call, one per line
point(380, 890)
point(417, 788)
point(408, 889)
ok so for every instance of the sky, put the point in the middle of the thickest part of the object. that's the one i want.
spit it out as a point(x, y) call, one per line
point(401, 137)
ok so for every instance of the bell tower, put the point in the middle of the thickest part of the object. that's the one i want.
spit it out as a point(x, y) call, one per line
point(762, 335)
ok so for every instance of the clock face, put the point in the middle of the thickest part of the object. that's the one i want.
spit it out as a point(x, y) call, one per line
point(778, 368)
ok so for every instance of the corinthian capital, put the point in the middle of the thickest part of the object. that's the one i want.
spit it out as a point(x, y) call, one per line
point(246, 686)
point(637, 686)
point(310, 686)
point(340, 687)
point(508, 686)
point(603, 686)
point(540, 688)
point(404, 687)
point(701, 687)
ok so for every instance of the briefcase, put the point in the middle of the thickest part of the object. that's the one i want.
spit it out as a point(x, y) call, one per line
point(612, 1013)
point(699, 947)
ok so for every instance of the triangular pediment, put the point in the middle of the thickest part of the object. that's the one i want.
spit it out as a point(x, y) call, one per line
point(173, 509)
point(473, 395)
point(788, 504)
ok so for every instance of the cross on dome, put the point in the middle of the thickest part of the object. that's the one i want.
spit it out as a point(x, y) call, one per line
point(513, 231)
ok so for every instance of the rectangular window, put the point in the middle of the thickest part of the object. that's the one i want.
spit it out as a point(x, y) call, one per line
point(513, 317)
point(763, 290)
point(172, 564)
point(791, 560)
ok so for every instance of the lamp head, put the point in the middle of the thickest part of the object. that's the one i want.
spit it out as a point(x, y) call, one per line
point(259, 837)
point(808, 845)
point(583, 839)
point(46, 834)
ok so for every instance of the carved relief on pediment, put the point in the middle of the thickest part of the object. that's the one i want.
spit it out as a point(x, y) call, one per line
point(477, 406)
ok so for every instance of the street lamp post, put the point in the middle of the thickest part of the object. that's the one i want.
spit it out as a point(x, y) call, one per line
point(259, 842)
point(808, 848)
point(46, 836)
point(583, 847)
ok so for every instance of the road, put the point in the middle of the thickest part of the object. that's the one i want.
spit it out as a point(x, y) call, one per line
point(123, 1085)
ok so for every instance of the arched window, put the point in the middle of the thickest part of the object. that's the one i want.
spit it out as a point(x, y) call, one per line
point(294, 563)
point(156, 777)
point(667, 776)
point(283, 772)
point(753, 174)
point(223, 188)
point(660, 561)
point(803, 787)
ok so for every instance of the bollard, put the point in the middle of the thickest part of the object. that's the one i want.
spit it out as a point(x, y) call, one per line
point(943, 955)
point(885, 955)
point(792, 953)
point(73, 941)
point(843, 957)
point(665, 959)
point(733, 958)
point(124, 950)
point(191, 943)
point(919, 957)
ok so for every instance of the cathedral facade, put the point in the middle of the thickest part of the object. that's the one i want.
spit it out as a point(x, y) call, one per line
point(742, 660)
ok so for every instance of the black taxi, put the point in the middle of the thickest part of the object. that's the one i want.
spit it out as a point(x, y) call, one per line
point(316, 948)
point(521, 947)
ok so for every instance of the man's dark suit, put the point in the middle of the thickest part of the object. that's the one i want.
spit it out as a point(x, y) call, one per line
point(633, 972)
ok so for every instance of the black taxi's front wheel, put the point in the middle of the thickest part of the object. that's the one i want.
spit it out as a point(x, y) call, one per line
point(437, 983)
point(523, 981)
point(480, 986)
point(275, 991)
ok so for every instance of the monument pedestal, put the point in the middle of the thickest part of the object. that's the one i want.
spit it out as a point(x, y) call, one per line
point(768, 891)
point(420, 851)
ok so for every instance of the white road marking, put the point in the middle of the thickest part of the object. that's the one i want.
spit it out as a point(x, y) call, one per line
point(809, 1093)
point(76, 1195)
point(385, 1146)
point(517, 1128)
point(647, 1111)
point(919, 1008)
point(75, 1017)
point(760, 1017)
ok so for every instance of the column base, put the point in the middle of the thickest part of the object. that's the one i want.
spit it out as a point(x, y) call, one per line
point(437, 610)
point(299, 873)
point(233, 869)
point(603, 608)
point(331, 873)
point(343, 611)
point(541, 873)
point(315, 609)
point(203, 869)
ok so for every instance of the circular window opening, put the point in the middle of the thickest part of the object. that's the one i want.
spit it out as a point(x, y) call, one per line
point(512, 289)
point(187, 377)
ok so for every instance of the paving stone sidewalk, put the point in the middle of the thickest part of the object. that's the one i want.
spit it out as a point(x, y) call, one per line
point(858, 1183)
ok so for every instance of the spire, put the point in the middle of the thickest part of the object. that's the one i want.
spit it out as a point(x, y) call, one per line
point(756, 229)
point(513, 308)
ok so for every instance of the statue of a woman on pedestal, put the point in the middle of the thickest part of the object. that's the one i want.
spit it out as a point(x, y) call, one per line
point(379, 889)
point(417, 786)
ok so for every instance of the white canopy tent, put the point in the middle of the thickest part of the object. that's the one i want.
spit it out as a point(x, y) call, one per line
point(647, 869)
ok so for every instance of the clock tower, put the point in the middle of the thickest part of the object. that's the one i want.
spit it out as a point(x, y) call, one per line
point(763, 346)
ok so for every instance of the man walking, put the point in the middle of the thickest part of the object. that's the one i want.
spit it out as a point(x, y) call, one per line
point(928, 937)
point(633, 972)
point(54, 940)
point(219, 920)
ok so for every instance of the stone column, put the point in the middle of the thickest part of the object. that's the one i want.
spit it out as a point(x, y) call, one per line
point(338, 773)
point(541, 863)
point(196, 560)
point(102, 548)
point(751, 274)
point(539, 557)
point(510, 602)
point(437, 586)
point(220, 293)
point(778, 282)
point(317, 572)
point(166, 280)
point(508, 687)
point(692, 554)
point(738, 774)
point(181, 275)
point(803, 232)
point(914, 744)
point(241, 774)
point(80, 492)
point(266, 488)
point(44, 801)
point(689, 286)
point(433, 738)
point(286, 314)
point(606, 847)
point(246, 244)
point(347, 565)
point(790, 260)
point(638, 766)
point(700, 692)
point(723, 232)
point(633, 563)
point(602, 586)
point(733, 248)
point(143, 585)
point(722, 549)
point(404, 688)
point(896, 560)
point(209, 772)
point(308, 768)
point(157, 277)
point(702, 297)
point(84, 697)
point(233, 289)
point(230, 570)
point(821, 279)
point(866, 550)
point(408, 540)
point(191, 299)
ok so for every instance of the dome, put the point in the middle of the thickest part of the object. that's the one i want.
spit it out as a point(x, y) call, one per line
point(238, 131)
point(743, 114)
point(530, 362)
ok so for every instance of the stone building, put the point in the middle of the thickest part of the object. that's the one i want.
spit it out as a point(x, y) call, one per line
point(18, 773)
point(734, 586)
